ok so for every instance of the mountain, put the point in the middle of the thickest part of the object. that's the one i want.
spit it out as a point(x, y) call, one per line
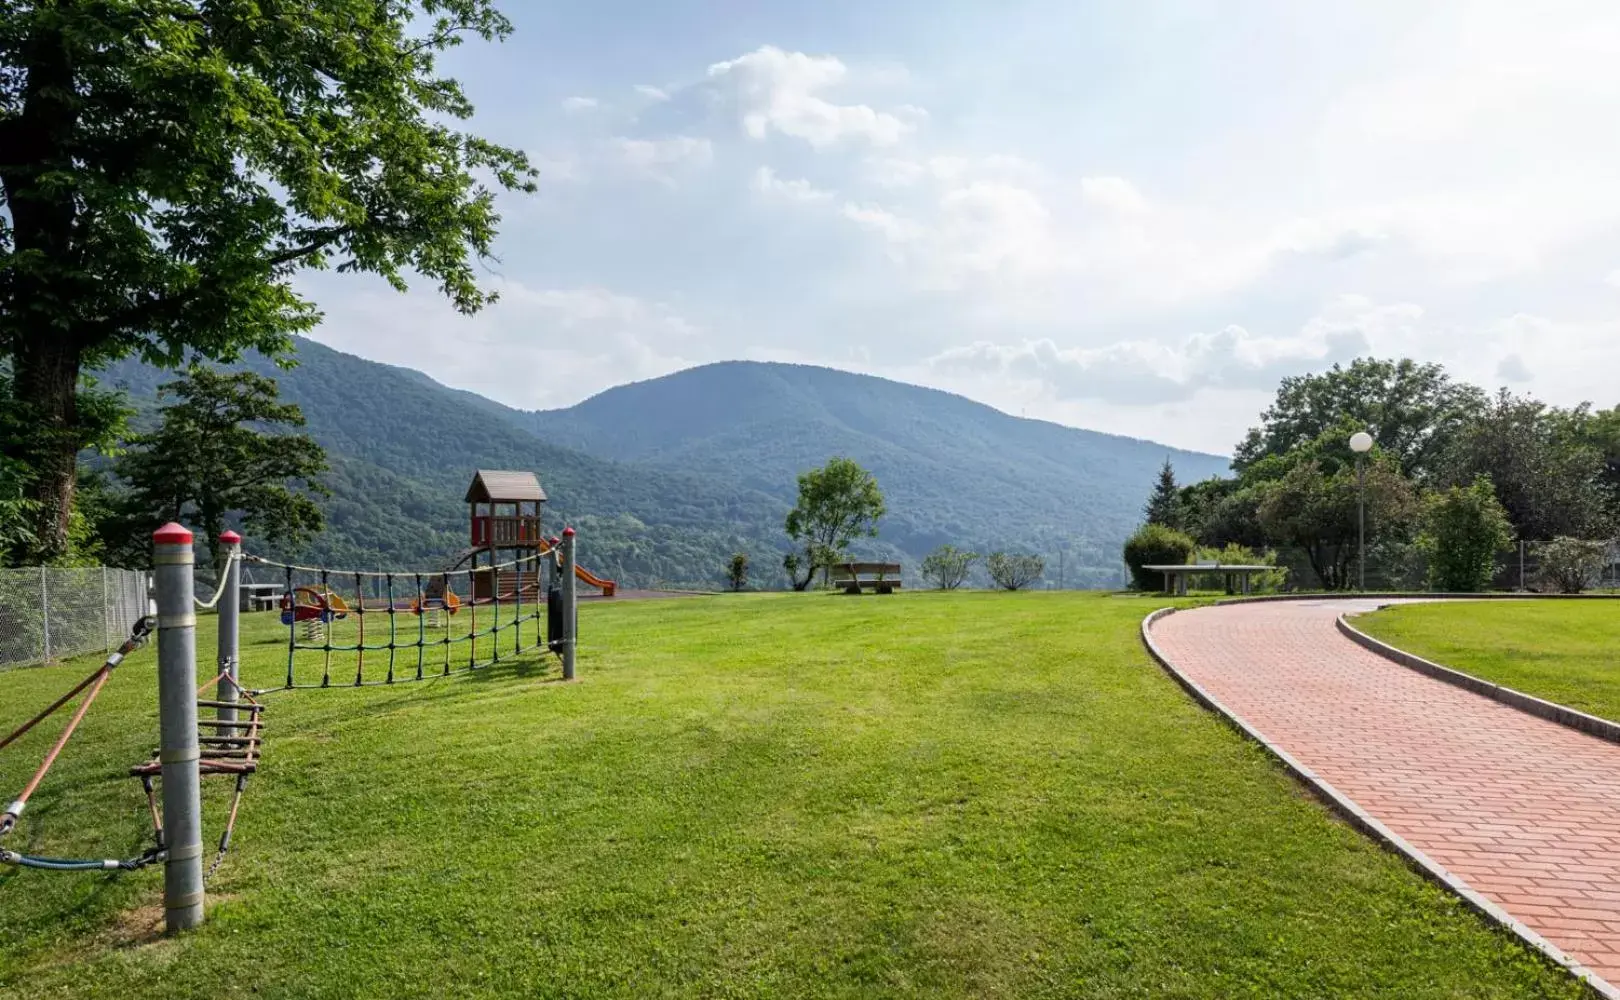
point(667, 477)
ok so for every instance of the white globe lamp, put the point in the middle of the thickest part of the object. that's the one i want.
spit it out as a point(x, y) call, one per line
point(1361, 442)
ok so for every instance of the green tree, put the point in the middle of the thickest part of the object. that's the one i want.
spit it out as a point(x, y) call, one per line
point(1549, 480)
point(737, 571)
point(1570, 565)
point(792, 563)
point(1464, 527)
point(1164, 504)
point(1014, 571)
point(166, 167)
point(210, 459)
point(1315, 511)
point(947, 567)
point(1221, 512)
point(1413, 411)
point(838, 503)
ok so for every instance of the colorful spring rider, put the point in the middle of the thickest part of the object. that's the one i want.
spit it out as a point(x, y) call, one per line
point(314, 608)
point(436, 601)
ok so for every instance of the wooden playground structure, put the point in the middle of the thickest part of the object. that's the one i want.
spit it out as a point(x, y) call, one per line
point(505, 516)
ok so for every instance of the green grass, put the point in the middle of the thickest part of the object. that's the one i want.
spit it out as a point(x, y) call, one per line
point(1563, 651)
point(967, 795)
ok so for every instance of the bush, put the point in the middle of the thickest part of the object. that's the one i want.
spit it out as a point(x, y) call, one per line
point(1014, 572)
point(946, 568)
point(1234, 554)
point(1155, 545)
point(1571, 564)
point(737, 571)
point(1463, 529)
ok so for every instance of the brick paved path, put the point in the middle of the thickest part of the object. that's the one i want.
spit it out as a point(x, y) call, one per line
point(1525, 811)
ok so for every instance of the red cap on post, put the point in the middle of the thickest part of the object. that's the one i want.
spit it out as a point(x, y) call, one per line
point(555, 540)
point(568, 532)
point(230, 537)
point(172, 534)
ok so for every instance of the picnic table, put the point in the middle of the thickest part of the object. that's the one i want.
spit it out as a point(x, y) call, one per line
point(1175, 577)
point(259, 596)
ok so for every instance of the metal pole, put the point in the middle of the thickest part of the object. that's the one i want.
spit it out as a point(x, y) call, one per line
point(230, 626)
point(106, 614)
point(1361, 523)
point(177, 722)
point(1521, 565)
point(45, 613)
point(570, 605)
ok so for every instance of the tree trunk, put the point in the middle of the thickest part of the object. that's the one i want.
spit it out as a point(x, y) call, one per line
point(47, 391)
point(46, 354)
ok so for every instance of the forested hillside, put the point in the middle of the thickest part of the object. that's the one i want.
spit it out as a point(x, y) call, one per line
point(665, 478)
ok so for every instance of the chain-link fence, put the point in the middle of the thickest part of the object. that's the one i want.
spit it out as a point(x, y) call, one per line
point(53, 614)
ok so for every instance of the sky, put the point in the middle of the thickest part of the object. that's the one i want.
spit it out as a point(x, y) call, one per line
point(1133, 217)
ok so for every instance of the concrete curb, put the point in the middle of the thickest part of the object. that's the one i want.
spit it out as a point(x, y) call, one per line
point(1369, 824)
point(1414, 595)
point(1563, 715)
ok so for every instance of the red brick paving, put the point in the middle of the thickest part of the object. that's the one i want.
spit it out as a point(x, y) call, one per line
point(1526, 811)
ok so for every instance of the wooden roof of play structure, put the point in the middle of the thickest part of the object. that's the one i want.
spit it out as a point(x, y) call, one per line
point(504, 486)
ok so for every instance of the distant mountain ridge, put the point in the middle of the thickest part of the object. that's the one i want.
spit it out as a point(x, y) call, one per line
point(666, 477)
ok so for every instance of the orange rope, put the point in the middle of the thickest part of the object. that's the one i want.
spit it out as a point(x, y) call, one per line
point(8, 819)
point(41, 717)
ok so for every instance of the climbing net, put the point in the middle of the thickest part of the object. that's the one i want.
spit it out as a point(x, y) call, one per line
point(414, 625)
point(325, 612)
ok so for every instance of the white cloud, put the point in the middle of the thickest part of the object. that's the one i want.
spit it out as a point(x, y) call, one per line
point(1149, 372)
point(781, 91)
point(1112, 193)
point(893, 228)
point(579, 105)
point(1512, 369)
point(1612, 279)
point(536, 347)
point(767, 182)
point(650, 92)
point(655, 157)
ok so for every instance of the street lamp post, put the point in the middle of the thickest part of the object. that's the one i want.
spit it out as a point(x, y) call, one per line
point(1361, 442)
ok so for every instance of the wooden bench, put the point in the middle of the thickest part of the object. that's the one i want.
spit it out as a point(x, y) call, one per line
point(881, 578)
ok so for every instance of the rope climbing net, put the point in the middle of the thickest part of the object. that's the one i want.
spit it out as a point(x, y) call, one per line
point(414, 625)
point(464, 618)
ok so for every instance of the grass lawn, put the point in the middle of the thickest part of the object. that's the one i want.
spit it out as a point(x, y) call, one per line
point(965, 795)
point(1563, 651)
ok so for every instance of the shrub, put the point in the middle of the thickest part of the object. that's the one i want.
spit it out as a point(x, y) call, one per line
point(1154, 544)
point(1463, 529)
point(737, 571)
point(1014, 572)
point(946, 568)
point(1571, 564)
point(1234, 554)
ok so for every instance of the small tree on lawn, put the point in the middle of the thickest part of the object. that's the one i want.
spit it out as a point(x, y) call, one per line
point(838, 503)
point(737, 571)
point(1012, 571)
point(1464, 527)
point(946, 568)
point(1164, 506)
point(1571, 564)
point(792, 563)
point(210, 458)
